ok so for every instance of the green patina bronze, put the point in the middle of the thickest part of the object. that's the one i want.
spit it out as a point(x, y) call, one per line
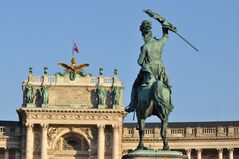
point(100, 96)
point(153, 154)
point(45, 94)
point(115, 73)
point(115, 94)
point(45, 70)
point(101, 71)
point(30, 71)
point(29, 94)
point(151, 92)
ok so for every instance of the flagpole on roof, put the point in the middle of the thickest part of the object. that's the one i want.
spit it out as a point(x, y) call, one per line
point(72, 47)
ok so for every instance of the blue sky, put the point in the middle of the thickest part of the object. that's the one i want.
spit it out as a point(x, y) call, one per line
point(205, 83)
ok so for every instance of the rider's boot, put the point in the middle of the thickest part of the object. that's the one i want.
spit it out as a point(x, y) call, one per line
point(130, 108)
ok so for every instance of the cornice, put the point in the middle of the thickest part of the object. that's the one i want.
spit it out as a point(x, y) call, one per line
point(71, 110)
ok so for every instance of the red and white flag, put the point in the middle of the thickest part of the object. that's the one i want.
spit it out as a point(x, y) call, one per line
point(75, 48)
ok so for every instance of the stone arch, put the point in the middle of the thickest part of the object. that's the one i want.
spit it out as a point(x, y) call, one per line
point(76, 131)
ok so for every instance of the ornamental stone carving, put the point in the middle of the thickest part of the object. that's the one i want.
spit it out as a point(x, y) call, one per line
point(52, 133)
point(71, 117)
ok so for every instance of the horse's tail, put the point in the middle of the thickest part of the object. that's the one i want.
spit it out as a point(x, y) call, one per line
point(162, 97)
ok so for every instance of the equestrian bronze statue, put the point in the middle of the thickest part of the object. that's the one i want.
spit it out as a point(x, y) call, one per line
point(151, 91)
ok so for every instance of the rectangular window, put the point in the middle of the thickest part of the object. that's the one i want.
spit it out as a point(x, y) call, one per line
point(236, 130)
point(194, 131)
point(131, 131)
point(209, 130)
point(224, 130)
point(2, 130)
point(12, 130)
point(178, 131)
point(149, 131)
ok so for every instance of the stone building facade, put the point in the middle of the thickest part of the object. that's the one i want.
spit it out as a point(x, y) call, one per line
point(82, 118)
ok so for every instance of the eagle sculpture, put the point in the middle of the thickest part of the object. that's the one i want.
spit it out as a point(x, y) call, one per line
point(73, 69)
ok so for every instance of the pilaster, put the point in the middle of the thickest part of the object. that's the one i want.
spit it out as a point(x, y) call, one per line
point(101, 142)
point(231, 150)
point(29, 143)
point(220, 153)
point(115, 153)
point(44, 141)
point(188, 153)
point(199, 153)
point(6, 156)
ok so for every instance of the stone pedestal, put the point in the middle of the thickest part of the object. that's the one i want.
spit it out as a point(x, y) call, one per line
point(155, 154)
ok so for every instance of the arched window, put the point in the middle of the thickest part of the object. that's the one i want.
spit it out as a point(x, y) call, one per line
point(72, 142)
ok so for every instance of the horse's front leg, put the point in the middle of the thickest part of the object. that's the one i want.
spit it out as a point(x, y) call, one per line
point(141, 124)
point(164, 126)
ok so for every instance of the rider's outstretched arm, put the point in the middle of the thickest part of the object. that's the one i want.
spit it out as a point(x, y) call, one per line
point(164, 37)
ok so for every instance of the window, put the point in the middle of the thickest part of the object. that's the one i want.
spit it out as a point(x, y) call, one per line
point(177, 131)
point(12, 130)
point(236, 130)
point(224, 130)
point(75, 143)
point(194, 131)
point(131, 131)
point(149, 131)
point(209, 130)
point(2, 130)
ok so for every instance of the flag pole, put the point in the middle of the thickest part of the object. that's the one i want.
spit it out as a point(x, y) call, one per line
point(72, 47)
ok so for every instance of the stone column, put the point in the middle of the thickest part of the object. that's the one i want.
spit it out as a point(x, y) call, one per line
point(115, 153)
point(6, 156)
point(101, 142)
point(188, 153)
point(29, 143)
point(17, 154)
point(231, 153)
point(199, 153)
point(44, 141)
point(220, 153)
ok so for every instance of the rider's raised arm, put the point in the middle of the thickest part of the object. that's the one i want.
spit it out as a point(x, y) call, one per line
point(164, 37)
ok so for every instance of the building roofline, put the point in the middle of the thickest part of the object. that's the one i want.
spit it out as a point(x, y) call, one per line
point(9, 123)
point(188, 124)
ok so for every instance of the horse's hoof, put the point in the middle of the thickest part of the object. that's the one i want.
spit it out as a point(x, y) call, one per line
point(141, 148)
point(166, 147)
point(145, 148)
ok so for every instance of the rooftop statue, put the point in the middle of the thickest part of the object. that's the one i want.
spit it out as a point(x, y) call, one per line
point(73, 69)
point(44, 91)
point(30, 93)
point(151, 91)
